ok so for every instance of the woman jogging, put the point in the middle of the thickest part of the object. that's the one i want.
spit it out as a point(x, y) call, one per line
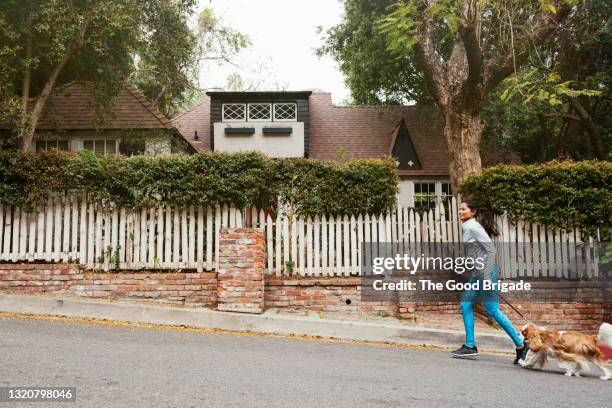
point(478, 229)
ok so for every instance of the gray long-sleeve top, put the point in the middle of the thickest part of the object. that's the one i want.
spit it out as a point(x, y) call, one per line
point(479, 245)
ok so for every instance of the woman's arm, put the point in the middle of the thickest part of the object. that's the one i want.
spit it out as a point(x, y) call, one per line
point(479, 237)
point(490, 251)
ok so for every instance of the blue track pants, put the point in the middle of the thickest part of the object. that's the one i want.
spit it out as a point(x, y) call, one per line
point(490, 301)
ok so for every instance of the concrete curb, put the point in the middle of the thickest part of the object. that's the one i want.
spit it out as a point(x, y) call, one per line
point(264, 323)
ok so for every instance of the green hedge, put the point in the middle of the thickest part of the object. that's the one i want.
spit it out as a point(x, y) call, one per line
point(560, 194)
point(244, 179)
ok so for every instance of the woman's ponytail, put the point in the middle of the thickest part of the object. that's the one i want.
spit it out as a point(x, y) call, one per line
point(484, 216)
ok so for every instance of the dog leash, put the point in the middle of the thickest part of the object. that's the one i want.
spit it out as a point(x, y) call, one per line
point(514, 308)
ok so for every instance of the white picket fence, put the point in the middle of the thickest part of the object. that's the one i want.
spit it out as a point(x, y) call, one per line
point(69, 229)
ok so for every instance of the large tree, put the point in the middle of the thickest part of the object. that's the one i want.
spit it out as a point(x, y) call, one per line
point(451, 52)
point(44, 43)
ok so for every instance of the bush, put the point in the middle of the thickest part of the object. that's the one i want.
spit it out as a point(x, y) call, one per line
point(559, 194)
point(316, 187)
point(244, 179)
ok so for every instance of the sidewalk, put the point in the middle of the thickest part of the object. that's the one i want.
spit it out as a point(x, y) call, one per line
point(346, 327)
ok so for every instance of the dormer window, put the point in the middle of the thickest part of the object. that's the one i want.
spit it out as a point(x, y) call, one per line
point(285, 112)
point(260, 111)
point(273, 123)
point(234, 112)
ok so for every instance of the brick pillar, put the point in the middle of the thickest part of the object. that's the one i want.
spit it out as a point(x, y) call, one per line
point(241, 270)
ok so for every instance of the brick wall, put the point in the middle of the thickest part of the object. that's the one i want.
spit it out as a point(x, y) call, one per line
point(322, 294)
point(579, 306)
point(340, 294)
point(585, 317)
point(241, 270)
point(181, 288)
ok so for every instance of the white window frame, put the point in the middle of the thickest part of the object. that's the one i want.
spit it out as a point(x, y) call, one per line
point(52, 140)
point(106, 154)
point(438, 195)
point(285, 120)
point(244, 118)
point(268, 119)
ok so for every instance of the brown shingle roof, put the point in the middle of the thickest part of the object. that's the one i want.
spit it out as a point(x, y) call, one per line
point(367, 131)
point(196, 119)
point(357, 132)
point(70, 108)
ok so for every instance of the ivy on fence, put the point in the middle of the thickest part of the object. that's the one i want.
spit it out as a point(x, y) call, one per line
point(244, 179)
point(559, 194)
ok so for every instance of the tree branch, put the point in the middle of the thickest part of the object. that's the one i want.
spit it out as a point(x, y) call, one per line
point(27, 75)
point(432, 66)
point(590, 125)
point(159, 96)
point(469, 35)
point(220, 58)
point(28, 134)
point(563, 116)
point(497, 69)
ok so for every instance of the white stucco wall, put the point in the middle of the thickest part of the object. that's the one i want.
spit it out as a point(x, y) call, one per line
point(273, 145)
point(405, 196)
point(157, 146)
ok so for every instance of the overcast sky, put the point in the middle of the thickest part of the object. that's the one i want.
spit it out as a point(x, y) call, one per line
point(284, 36)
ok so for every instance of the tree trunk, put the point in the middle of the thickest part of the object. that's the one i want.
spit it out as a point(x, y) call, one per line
point(463, 131)
point(159, 96)
point(27, 74)
point(27, 132)
point(591, 127)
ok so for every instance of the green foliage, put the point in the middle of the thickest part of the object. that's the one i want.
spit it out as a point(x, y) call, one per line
point(310, 187)
point(533, 84)
point(374, 43)
point(559, 104)
point(534, 112)
point(373, 73)
point(148, 42)
point(165, 68)
point(560, 194)
point(357, 186)
point(400, 26)
point(216, 40)
point(405, 16)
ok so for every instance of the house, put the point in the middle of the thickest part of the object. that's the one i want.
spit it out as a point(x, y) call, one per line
point(307, 124)
point(279, 124)
point(132, 126)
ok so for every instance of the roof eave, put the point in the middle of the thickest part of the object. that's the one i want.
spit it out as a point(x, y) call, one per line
point(233, 94)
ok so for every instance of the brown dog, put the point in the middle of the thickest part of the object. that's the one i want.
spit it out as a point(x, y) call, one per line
point(574, 350)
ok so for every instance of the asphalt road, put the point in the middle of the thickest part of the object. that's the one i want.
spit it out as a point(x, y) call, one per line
point(118, 366)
